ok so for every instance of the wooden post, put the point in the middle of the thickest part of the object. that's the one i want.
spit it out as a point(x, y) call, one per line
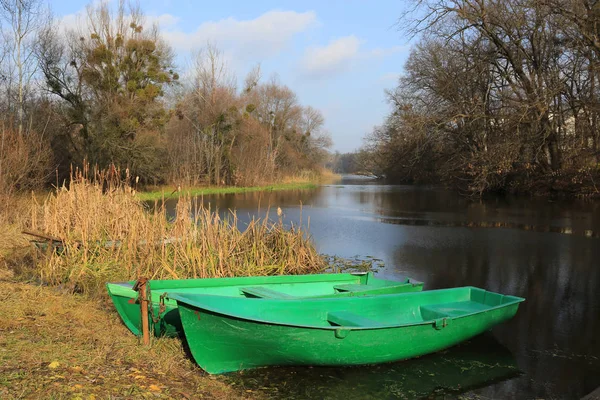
point(140, 287)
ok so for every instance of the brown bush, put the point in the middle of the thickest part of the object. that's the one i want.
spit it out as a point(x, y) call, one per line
point(24, 161)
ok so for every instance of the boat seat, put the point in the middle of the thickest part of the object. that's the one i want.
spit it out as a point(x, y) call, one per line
point(455, 309)
point(346, 318)
point(264, 293)
point(352, 287)
point(428, 313)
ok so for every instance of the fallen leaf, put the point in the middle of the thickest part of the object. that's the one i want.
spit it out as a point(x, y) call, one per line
point(154, 388)
point(54, 365)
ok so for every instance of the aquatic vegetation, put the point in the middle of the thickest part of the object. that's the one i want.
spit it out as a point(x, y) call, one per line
point(105, 233)
point(356, 263)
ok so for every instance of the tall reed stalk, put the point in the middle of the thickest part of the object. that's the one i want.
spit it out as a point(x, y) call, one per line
point(109, 235)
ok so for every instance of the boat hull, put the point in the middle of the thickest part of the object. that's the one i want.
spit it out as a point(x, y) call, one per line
point(168, 323)
point(223, 343)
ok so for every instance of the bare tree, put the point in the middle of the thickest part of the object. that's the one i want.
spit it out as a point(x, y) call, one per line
point(496, 94)
point(24, 19)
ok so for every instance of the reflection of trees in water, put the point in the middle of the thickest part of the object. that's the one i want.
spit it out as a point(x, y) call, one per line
point(428, 207)
point(253, 201)
point(559, 277)
point(486, 224)
point(471, 365)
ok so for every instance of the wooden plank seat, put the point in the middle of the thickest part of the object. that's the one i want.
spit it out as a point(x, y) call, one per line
point(264, 293)
point(346, 318)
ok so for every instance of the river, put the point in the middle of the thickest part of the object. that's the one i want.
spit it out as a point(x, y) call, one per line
point(546, 251)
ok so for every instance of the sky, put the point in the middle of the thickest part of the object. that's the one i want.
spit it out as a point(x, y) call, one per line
point(338, 56)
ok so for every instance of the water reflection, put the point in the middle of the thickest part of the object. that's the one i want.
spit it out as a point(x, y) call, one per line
point(554, 337)
point(479, 363)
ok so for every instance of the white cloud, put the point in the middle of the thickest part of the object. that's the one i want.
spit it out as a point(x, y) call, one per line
point(165, 21)
point(339, 55)
point(79, 19)
point(334, 57)
point(249, 40)
point(261, 37)
point(70, 21)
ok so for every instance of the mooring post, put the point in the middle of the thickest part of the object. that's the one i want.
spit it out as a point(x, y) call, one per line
point(140, 287)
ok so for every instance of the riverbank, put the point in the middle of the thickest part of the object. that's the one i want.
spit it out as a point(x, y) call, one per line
point(169, 192)
point(60, 345)
point(560, 185)
point(60, 337)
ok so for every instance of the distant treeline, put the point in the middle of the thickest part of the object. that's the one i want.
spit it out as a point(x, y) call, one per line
point(357, 163)
point(500, 95)
point(107, 92)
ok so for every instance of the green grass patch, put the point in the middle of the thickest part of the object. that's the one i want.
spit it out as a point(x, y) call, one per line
point(194, 192)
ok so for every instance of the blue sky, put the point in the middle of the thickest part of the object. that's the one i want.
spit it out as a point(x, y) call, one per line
point(338, 56)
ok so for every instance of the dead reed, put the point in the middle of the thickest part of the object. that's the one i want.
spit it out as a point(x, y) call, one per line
point(109, 235)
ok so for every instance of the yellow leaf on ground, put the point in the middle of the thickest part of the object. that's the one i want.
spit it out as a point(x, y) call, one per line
point(53, 365)
point(154, 388)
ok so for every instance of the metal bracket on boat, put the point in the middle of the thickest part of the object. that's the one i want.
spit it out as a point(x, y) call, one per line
point(441, 323)
point(341, 333)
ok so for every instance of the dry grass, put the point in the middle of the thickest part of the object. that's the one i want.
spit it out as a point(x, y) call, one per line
point(14, 215)
point(57, 346)
point(320, 176)
point(58, 343)
point(108, 235)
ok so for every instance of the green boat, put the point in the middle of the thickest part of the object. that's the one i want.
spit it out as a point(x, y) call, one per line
point(164, 316)
point(473, 364)
point(228, 334)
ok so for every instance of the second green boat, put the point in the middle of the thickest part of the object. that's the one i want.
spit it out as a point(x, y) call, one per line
point(231, 334)
point(164, 315)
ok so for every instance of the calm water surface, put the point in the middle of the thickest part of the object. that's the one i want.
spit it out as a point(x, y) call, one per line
point(545, 251)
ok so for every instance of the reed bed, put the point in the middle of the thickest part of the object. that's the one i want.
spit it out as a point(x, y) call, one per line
point(108, 234)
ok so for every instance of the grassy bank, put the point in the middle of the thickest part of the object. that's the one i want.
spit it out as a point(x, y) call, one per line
point(170, 192)
point(64, 346)
point(60, 337)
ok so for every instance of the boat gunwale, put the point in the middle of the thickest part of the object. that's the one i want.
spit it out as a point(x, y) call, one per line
point(218, 281)
point(214, 310)
point(124, 288)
